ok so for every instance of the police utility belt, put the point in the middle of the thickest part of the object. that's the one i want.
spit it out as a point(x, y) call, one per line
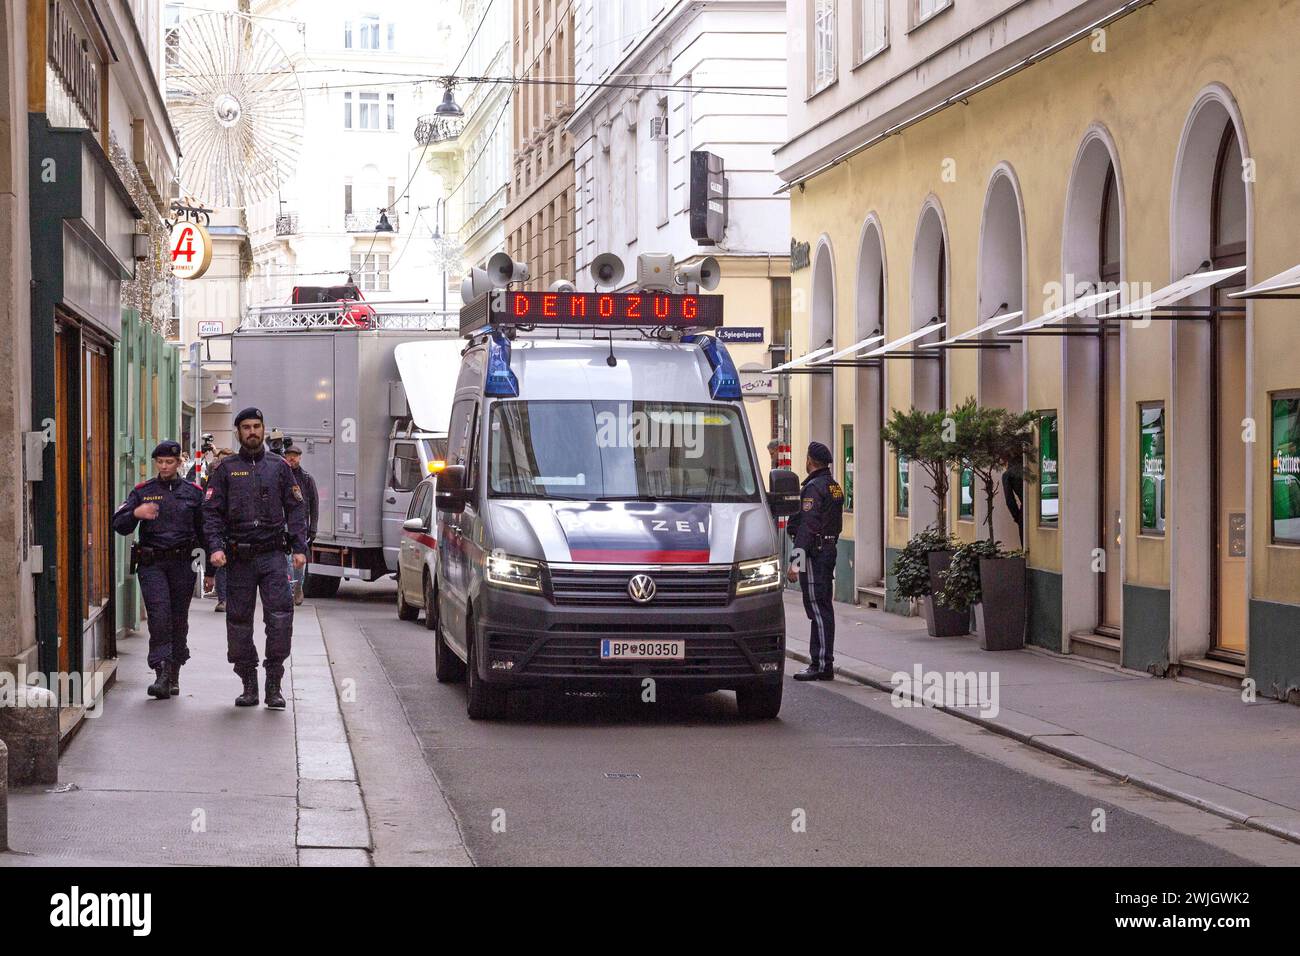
point(142, 555)
point(823, 541)
point(242, 551)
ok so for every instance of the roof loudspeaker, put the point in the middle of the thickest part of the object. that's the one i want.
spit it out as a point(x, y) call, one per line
point(474, 285)
point(563, 285)
point(503, 270)
point(706, 274)
point(607, 270)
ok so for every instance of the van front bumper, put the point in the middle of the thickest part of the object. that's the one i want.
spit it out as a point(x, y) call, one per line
point(532, 642)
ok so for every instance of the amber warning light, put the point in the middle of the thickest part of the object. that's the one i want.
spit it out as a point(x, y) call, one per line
point(606, 308)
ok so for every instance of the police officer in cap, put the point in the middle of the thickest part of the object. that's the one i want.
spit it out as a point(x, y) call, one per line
point(816, 530)
point(168, 511)
point(252, 499)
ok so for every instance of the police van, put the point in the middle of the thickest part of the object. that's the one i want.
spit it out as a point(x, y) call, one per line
point(602, 523)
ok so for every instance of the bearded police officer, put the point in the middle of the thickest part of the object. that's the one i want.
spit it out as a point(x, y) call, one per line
point(816, 531)
point(168, 511)
point(253, 514)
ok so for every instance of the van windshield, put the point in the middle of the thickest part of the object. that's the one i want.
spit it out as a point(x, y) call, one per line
point(619, 451)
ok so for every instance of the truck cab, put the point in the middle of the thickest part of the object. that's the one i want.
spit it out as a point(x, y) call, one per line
point(601, 519)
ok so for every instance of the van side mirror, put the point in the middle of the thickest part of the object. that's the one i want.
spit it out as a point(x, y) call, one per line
point(783, 493)
point(451, 493)
point(414, 524)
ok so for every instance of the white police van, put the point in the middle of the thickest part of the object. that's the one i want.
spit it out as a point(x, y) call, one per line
point(601, 518)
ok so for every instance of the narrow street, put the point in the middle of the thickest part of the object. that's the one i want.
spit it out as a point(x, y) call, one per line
point(683, 781)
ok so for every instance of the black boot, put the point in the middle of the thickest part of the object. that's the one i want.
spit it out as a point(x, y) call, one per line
point(814, 673)
point(249, 697)
point(161, 686)
point(274, 699)
point(176, 680)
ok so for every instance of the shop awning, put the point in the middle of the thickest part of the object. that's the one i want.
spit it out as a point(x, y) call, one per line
point(1056, 316)
point(1284, 285)
point(895, 348)
point(1166, 300)
point(804, 359)
point(852, 349)
point(971, 338)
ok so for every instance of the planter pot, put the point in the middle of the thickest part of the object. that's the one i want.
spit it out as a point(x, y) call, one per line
point(1002, 614)
point(942, 621)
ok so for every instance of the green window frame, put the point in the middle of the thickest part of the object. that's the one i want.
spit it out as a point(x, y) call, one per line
point(966, 493)
point(1284, 467)
point(901, 470)
point(1151, 468)
point(1049, 470)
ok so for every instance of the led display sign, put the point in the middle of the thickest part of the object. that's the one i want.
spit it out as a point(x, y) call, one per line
point(605, 308)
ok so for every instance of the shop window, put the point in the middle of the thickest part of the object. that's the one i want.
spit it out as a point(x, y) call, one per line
point(1049, 475)
point(1151, 468)
point(966, 494)
point(846, 466)
point(901, 464)
point(1285, 450)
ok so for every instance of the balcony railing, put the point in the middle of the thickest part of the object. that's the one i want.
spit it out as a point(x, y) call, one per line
point(286, 224)
point(365, 220)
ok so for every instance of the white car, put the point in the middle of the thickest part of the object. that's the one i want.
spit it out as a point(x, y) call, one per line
point(417, 555)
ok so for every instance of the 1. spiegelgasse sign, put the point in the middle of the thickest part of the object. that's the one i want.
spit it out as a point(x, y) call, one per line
point(191, 250)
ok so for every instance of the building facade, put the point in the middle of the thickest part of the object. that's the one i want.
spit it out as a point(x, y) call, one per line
point(634, 151)
point(91, 159)
point(366, 75)
point(539, 220)
point(960, 161)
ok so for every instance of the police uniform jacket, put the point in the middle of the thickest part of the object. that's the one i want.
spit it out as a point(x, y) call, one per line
point(180, 516)
point(251, 499)
point(308, 485)
point(821, 506)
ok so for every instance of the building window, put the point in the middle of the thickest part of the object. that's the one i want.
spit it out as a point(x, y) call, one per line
point(391, 107)
point(1286, 468)
point(392, 36)
point(347, 199)
point(846, 466)
point(1049, 474)
point(369, 32)
point(370, 272)
point(1151, 468)
point(823, 35)
point(923, 10)
point(368, 111)
point(966, 493)
point(347, 34)
point(172, 34)
point(902, 467)
point(661, 160)
point(873, 27)
point(347, 110)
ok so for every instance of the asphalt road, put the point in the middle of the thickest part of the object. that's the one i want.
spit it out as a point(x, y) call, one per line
point(684, 781)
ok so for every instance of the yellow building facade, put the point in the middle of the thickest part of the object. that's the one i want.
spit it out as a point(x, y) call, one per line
point(1155, 145)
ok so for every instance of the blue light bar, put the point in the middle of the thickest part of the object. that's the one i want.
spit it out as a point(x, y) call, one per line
point(724, 384)
point(501, 381)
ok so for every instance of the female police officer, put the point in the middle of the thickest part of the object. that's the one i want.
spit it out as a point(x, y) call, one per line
point(168, 510)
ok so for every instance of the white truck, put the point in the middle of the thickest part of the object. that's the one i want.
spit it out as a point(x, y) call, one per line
point(365, 392)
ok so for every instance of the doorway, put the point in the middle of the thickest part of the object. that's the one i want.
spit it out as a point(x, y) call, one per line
point(1110, 430)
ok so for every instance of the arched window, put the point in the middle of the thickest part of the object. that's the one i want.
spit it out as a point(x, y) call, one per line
point(1108, 265)
point(1228, 212)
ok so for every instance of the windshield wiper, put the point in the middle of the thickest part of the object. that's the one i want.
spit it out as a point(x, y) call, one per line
point(650, 498)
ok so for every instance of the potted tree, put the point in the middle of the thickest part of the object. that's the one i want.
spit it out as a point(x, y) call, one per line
point(915, 580)
point(981, 574)
point(922, 437)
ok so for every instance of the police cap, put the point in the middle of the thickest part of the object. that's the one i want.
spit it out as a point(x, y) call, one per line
point(167, 449)
point(293, 450)
point(248, 413)
point(820, 453)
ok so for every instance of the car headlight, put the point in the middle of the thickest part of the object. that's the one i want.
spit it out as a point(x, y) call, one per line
point(508, 572)
point(761, 575)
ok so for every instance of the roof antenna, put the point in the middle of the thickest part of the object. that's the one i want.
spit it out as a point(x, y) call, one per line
point(611, 361)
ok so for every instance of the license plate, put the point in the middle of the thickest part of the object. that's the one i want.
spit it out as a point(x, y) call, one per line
point(612, 650)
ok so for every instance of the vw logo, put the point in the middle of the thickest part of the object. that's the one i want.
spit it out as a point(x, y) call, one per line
point(641, 588)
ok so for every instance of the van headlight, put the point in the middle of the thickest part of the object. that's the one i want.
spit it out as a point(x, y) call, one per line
point(761, 575)
point(508, 572)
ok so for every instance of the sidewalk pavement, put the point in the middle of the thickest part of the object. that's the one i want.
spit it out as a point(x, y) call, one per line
point(1187, 740)
point(196, 781)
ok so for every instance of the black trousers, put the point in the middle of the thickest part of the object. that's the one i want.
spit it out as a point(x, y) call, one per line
point(167, 587)
point(245, 578)
point(816, 581)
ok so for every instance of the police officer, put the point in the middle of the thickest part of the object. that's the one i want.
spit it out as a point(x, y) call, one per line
point(250, 500)
point(293, 455)
point(168, 511)
point(816, 530)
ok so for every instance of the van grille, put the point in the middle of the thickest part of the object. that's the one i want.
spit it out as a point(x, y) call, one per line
point(677, 587)
point(561, 653)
